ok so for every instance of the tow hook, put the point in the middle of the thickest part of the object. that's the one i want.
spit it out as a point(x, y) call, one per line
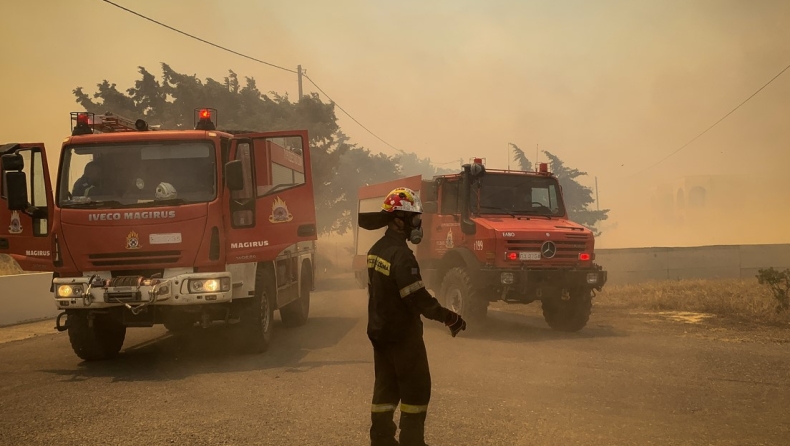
point(59, 326)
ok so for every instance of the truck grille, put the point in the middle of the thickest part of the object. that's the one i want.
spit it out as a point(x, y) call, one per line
point(134, 258)
point(566, 249)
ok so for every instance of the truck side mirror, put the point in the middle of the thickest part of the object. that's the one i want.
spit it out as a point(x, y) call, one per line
point(16, 184)
point(468, 227)
point(234, 175)
point(12, 161)
point(430, 207)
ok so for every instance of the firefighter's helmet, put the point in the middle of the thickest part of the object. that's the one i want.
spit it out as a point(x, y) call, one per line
point(402, 199)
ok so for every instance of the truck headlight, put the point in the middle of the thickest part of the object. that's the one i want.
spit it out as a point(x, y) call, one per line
point(69, 290)
point(592, 278)
point(506, 278)
point(209, 285)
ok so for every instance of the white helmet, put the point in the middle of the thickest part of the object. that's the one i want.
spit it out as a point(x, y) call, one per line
point(165, 191)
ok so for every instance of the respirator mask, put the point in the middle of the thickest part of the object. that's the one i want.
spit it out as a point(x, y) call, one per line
point(413, 227)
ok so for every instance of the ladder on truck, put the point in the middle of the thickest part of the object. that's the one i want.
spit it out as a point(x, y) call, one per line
point(109, 122)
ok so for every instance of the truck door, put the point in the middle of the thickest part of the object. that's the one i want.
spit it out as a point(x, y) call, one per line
point(26, 206)
point(274, 208)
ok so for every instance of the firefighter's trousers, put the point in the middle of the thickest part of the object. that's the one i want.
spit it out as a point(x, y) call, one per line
point(402, 376)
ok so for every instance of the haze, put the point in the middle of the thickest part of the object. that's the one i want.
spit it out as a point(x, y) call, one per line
point(609, 86)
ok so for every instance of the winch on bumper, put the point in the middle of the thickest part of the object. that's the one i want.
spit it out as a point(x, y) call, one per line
point(129, 291)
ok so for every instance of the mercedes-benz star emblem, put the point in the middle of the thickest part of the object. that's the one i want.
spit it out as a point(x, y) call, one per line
point(548, 250)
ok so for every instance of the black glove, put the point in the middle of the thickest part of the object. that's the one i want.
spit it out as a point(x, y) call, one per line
point(455, 323)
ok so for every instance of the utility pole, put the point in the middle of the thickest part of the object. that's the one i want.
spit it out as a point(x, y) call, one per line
point(299, 71)
point(597, 205)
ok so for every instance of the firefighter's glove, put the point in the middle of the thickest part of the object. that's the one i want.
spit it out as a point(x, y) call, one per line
point(455, 323)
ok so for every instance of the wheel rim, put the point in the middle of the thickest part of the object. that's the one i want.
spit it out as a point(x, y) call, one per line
point(455, 300)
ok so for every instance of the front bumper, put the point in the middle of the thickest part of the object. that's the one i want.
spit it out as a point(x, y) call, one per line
point(95, 292)
point(566, 278)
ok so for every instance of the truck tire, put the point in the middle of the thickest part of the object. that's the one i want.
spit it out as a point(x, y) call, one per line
point(257, 319)
point(568, 315)
point(295, 313)
point(102, 340)
point(458, 294)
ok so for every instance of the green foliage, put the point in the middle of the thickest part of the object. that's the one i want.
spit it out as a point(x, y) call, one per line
point(521, 158)
point(577, 197)
point(779, 283)
point(339, 167)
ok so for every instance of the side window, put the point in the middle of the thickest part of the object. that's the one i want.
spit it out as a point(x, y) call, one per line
point(36, 188)
point(243, 205)
point(540, 195)
point(449, 198)
point(547, 196)
point(282, 160)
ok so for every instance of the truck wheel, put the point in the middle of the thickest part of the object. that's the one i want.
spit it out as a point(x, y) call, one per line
point(568, 315)
point(103, 340)
point(458, 295)
point(256, 319)
point(295, 313)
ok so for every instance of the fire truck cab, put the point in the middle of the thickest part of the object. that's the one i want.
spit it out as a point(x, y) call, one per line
point(180, 228)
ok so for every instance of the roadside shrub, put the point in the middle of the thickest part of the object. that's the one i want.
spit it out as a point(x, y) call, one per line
point(779, 283)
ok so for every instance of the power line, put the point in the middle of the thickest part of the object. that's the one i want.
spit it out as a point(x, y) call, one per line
point(714, 124)
point(198, 38)
point(349, 115)
point(255, 60)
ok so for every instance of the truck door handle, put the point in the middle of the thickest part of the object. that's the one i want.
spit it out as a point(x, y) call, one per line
point(3, 243)
point(307, 230)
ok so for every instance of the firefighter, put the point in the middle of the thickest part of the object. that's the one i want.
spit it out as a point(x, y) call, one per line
point(88, 182)
point(397, 298)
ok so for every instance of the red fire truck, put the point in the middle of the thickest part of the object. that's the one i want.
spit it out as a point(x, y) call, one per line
point(178, 228)
point(492, 235)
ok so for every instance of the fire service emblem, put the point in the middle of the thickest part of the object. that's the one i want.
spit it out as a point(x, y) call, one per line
point(280, 213)
point(16, 224)
point(133, 241)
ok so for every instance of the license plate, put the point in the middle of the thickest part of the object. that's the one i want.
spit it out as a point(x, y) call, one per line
point(164, 239)
point(529, 256)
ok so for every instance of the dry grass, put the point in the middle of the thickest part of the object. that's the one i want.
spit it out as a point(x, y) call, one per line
point(8, 266)
point(736, 299)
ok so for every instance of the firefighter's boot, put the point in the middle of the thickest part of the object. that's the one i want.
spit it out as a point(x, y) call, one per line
point(382, 429)
point(412, 429)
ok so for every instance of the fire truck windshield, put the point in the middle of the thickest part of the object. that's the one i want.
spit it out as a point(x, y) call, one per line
point(518, 194)
point(139, 174)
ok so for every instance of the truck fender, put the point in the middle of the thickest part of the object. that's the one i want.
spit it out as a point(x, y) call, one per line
point(456, 257)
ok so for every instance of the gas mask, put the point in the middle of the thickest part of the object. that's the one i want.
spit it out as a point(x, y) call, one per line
point(413, 227)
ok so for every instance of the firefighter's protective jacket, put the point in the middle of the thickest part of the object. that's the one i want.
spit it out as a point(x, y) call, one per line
point(397, 295)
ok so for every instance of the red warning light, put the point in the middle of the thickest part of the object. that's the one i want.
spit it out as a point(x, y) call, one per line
point(544, 168)
point(205, 114)
point(82, 118)
point(584, 257)
point(512, 256)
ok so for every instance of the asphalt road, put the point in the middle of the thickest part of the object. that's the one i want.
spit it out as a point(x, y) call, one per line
point(624, 380)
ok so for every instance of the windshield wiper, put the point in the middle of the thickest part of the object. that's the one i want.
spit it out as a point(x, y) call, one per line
point(532, 213)
point(110, 204)
point(496, 209)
